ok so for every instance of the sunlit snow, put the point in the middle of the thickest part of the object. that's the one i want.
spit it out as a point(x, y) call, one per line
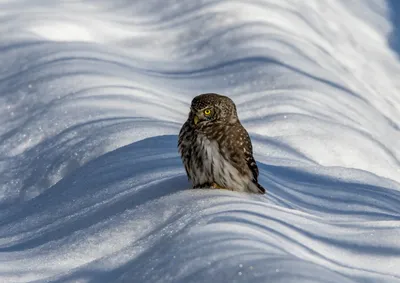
point(92, 97)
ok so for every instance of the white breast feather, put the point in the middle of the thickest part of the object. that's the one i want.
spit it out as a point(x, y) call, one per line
point(222, 169)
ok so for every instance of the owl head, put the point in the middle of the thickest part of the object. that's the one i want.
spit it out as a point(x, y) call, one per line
point(209, 108)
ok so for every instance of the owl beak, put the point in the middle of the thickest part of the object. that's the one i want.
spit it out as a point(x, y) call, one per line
point(196, 119)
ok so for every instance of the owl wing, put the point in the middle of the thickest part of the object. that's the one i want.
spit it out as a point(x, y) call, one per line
point(184, 150)
point(251, 163)
point(240, 151)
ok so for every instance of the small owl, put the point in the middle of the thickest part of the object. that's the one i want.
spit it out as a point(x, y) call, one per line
point(215, 148)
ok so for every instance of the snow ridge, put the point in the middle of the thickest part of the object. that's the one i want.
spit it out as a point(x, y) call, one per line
point(93, 94)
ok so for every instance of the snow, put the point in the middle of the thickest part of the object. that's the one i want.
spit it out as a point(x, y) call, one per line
point(92, 97)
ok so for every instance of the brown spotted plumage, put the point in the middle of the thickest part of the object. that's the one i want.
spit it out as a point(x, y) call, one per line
point(215, 148)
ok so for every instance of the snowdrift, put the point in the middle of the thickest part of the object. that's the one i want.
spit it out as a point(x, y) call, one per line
point(92, 97)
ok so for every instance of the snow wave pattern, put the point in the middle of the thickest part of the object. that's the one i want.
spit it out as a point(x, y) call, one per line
point(93, 94)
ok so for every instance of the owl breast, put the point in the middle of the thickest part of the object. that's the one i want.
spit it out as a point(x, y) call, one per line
point(213, 166)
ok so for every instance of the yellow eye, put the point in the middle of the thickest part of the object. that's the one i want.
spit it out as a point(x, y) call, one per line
point(207, 112)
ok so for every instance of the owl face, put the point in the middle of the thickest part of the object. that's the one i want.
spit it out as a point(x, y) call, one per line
point(210, 108)
point(204, 116)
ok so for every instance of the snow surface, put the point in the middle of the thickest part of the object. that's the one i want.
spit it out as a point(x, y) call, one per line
point(93, 94)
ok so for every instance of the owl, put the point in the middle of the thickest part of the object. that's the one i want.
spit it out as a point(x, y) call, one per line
point(215, 148)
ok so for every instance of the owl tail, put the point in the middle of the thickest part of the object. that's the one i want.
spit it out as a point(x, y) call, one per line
point(256, 188)
point(261, 190)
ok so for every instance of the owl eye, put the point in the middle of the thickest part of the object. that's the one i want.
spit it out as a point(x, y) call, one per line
point(207, 112)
